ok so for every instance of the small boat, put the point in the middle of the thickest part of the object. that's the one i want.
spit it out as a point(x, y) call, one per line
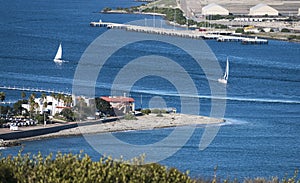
point(58, 55)
point(225, 77)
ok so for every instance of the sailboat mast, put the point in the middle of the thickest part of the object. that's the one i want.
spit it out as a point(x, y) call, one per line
point(58, 56)
point(227, 69)
point(226, 73)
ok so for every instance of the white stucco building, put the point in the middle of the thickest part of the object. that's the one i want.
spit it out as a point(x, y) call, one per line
point(263, 9)
point(214, 9)
point(53, 105)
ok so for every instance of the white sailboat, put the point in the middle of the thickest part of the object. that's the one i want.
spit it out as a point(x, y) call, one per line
point(225, 77)
point(58, 56)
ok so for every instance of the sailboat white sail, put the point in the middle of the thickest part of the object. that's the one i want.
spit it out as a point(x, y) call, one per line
point(225, 77)
point(58, 56)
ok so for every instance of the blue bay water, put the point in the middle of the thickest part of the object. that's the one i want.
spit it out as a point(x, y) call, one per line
point(261, 135)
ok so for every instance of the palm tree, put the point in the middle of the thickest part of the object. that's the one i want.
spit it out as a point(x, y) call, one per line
point(68, 101)
point(44, 100)
point(33, 95)
point(53, 95)
point(60, 98)
point(63, 98)
point(36, 106)
point(23, 95)
point(31, 103)
point(45, 105)
point(44, 96)
point(2, 98)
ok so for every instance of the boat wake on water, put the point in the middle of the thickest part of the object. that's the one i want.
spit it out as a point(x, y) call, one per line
point(261, 100)
point(228, 98)
point(228, 122)
point(62, 61)
point(231, 121)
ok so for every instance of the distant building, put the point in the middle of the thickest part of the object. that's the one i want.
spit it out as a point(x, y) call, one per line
point(53, 105)
point(124, 104)
point(214, 9)
point(86, 100)
point(263, 9)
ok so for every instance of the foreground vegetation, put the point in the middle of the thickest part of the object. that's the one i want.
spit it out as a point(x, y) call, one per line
point(80, 168)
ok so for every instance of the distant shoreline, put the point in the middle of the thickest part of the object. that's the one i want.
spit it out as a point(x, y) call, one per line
point(272, 36)
point(146, 122)
point(125, 12)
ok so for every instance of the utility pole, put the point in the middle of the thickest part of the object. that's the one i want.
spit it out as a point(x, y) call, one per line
point(44, 119)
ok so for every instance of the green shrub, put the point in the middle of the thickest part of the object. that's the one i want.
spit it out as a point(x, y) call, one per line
point(68, 114)
point(285, 30)
point(130, 116)
point(146, 111)
point(174, 15)
point(106, 9)
point(291, 37)
point(80, 168)
point(155, 111)
point(158, 111)
point(239, 30)
point(6, 174)
point(159, 115)
point(40, 118)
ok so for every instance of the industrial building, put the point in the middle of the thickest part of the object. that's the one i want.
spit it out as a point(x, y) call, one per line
point(263, 9)
point(214, 9)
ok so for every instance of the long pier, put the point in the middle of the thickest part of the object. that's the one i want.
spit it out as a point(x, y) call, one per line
point(221, 36)
point(244, 40)
point(34, 90)
point(30, 90)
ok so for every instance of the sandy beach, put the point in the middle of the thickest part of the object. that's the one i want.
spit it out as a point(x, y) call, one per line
point(146, 122)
